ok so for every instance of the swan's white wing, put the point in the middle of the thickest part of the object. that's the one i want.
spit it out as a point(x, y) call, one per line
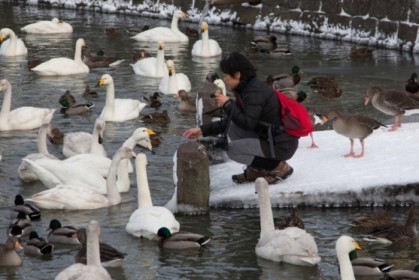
point(60, 66)
point(26, 118)
point(164, 34)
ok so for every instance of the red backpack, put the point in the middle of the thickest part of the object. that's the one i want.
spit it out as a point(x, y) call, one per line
point(295, 118)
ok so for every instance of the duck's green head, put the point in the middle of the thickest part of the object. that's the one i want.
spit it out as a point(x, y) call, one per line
point(33, 235)
point(19, 200)
point(301, 96)
point(164, 232)
point(295, 69)
point(416, 269)
point(54, 224)
point(353, 255)
point(414, 77)
point(64, 103)
point(100, 53)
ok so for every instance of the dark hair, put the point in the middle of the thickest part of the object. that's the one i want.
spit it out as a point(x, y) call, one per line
point(236, 62)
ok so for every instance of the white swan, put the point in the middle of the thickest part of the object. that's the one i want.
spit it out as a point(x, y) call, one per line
point(345, 245)
point(93, 269)
point(152, 66)
point(62, 66)
point(53, 26)
point(76, 197)
point(85, 143)
point(24, 170)
point(13, 46)
point(148, 219)
point(291, 245)
point(206, 47)
point(22, 118)
point(165, 34)
point(117, 109)
point(141, 137)
point(173, 82)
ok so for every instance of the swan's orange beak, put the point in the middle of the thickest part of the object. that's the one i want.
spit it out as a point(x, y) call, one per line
point(101, 82)
point(150, 132)
point(1, 38)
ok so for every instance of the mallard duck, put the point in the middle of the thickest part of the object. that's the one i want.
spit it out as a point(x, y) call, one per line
point(13, 46)
point(99, 60)
point(353, 127)
point(392, 102)
point(368, 266)
point(290, 245)
point(344, 245)
point(277, 52)
point(26, 208)
point(140, 54)
point(265, 42)
point(187, 103)
point(371, 220)
point(180, 240)
point(165, 34)
point(33, 63)
point(87, 93)
point(68, 98)
point(404, 274)
point(156, 117)
point(361, 53)
point(113, 32)
point(55, 136)
point(412, 84)
point(37, 245)
point(93, 269)
point(293, 93)
point(394, 232)
point(23, 221)
point(109, 256)
point(326, 86)
point(191, 32)
point(59, 234)
point(153, 100)
point(292, 220)
point(54, 26)
point(70, 107)
point(8, 255)
point(286, 80)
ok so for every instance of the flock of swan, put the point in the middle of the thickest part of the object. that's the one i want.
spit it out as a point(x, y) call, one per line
point(88, 179)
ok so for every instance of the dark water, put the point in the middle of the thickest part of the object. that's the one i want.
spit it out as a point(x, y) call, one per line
point(234, 232)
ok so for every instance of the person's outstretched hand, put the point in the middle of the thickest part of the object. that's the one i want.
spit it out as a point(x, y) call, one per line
point(193, 133)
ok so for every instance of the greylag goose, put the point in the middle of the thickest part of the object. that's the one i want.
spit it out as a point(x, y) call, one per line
point(368, 266)
point(394, 232)
point(109, 256)
point(37, 245)
point(326, 86)
point(286, 80)
point(8, 255)
point(180, 240)
point(187, 103)
point(353, 127)
point(392, 102)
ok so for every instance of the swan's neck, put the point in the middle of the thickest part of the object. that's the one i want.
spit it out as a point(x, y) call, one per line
point(92, 251)
point(173, 87)
point(144, 196)
point(94, 144)
point(345, 266)
point(42, 140)
point(5, 108)
point(161, 66)
point(77, 55)
point(110, 99)
point(265, 210)
point(123, 181)
point(114, 197)
point(174, 25)
point(205, 42)
point(12, 41)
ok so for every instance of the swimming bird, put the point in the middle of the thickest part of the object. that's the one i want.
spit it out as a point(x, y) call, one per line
point(286, 80)
point(292, 220)
point(267, 43)
point(87, 93)
point(367, 265)
point(180, 240)
point(109, 256)
point(326, 86)
point(37, 245)
point(291, 245)
point(371, 220)
point(165, 34)
point(344, 245)
point(152, 66)
point(156, 117)
point(8, 255)
point(24, 222)
point(117, 109)
point(148, 219)
point(59, 234)
point(93, 268)
point(173, 82)
point(191, 32)
point(55, 136)
point(187, 103)
point(353, 127)
point(22, 118)
point(113, 32)
point(13, 46)
point(361, 53)
point(99, 60)
point(392, 102)
point(412, 84)
point(404, 274)
point(140, 54)
point(53, 26)
point(70, 107)
point(26, 208)
point(132, 31)
point(62, 66)
point(206, 47)
point(395, 232)
point(153, 100)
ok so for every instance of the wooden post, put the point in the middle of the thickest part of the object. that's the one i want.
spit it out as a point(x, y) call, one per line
point(193, 178)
